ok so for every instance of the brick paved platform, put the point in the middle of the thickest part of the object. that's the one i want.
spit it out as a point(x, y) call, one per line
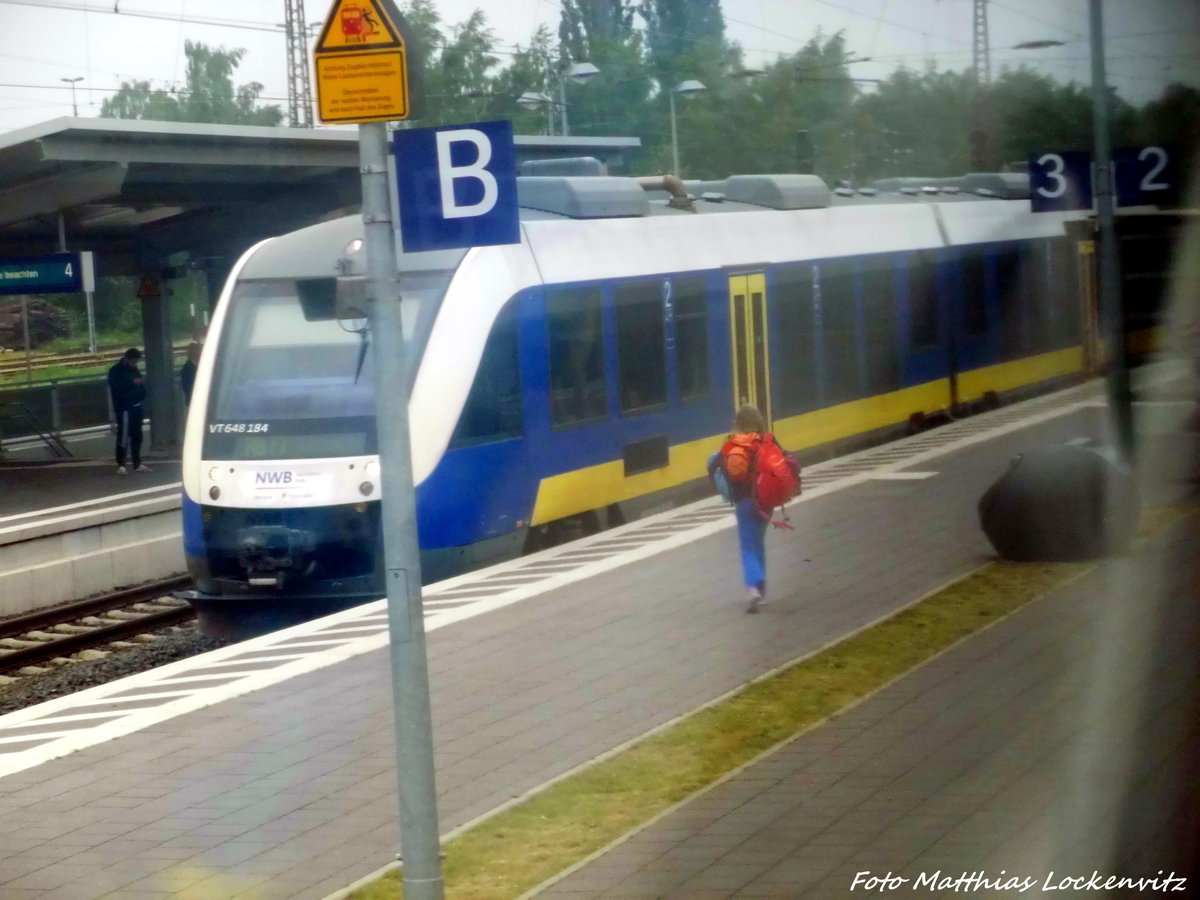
point(289, 791)
point(1063, 740)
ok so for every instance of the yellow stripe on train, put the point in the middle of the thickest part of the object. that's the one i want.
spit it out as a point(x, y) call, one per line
point(597, 486)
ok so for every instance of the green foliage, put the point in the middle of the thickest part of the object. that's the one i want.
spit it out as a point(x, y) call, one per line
point(209, 94)
point(1173, 119)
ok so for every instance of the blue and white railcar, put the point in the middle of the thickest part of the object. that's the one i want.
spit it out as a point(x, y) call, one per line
point(593, 366)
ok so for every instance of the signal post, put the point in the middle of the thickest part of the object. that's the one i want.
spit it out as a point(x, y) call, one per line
point(456, 187)
point(361, 63)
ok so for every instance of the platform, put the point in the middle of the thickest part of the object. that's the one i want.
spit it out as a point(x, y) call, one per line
point(1039, 750)
point(76, 528)
point(266, 769)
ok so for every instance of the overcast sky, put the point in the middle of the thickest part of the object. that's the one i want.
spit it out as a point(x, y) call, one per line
point(1150, 42)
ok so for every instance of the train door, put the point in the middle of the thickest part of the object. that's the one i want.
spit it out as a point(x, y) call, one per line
point(748, 340)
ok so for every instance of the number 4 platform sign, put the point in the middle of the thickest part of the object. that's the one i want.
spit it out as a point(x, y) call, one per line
point(1142, 176)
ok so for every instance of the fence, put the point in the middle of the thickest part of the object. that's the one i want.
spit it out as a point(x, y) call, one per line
point(48, 409)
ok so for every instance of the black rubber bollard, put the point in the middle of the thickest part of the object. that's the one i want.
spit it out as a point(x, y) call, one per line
point(1067, 502)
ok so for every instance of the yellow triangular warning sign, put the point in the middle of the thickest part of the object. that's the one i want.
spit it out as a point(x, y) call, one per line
point(358, 25)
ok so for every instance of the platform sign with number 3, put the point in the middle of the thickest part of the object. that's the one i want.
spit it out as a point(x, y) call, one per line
point(1060, 181)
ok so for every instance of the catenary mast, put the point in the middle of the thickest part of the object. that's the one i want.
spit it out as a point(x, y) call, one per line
point(300, 103)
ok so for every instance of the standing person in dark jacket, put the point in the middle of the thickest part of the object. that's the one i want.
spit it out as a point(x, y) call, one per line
point(735, 471)
point(187, 374)
point(128, 391)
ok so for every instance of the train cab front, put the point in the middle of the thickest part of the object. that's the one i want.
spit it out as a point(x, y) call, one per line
point(281, 476)
point(254, 570)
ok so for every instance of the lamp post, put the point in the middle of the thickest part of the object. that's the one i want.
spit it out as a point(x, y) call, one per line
point(691, 86)
point(532, 100)
point(72, 82)
point(580, 73)
point(1107, 258)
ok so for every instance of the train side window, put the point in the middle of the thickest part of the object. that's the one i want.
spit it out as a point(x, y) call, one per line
point(577, 392)
point(879, 324)
point(1042, 303)
point(691, 336)
point(1064, 275)
point(974, 295)
point(922, 302)
point(841, 332)
point(795, 324)
point(641, 346)
point(1016, 286)
point(493, 408)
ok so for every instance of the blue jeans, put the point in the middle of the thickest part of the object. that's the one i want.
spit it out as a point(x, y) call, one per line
point(752, 544)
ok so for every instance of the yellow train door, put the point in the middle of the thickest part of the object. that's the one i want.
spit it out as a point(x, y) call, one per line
point(748, 340)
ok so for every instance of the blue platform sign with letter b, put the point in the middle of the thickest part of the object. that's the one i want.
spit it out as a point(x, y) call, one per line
point(457, 186)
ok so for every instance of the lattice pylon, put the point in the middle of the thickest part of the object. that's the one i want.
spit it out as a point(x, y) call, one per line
point(300, 102)
point(983, 133)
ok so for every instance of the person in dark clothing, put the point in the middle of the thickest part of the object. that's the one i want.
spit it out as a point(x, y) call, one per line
point(187, 374)
point(738, 489)
point(128, 391)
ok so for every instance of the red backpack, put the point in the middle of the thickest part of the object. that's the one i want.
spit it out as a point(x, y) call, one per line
point(776, 478)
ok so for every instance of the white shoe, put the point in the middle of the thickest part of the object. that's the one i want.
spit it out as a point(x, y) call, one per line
point(142, 468)
point(121, 470)
point(756, 600)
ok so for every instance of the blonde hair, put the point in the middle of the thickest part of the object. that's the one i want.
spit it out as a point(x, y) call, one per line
point(749, 420)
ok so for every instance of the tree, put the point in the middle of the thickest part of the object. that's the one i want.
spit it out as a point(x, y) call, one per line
point(681, 34)
point(588, 27)
point(209, 94)
point(527, 72)
point(603, 33)
point(1173, 119)
point(458, 80)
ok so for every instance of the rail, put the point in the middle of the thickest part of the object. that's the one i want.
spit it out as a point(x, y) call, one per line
point(29, 638)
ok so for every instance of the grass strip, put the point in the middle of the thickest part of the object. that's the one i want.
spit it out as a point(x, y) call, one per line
point(524, 846)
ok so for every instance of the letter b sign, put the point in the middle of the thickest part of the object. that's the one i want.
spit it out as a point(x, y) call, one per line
point(457, 186)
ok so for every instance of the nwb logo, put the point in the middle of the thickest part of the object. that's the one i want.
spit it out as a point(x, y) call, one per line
point(273, 478)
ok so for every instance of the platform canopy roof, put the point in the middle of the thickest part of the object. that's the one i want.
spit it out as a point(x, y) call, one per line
point(138, 191)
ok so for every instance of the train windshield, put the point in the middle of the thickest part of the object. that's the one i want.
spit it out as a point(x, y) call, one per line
point(293, 382)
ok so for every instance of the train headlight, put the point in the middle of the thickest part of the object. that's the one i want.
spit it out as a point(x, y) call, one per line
point(214, 492)
point(371, 469)
point(366, 488)
point(214, 474)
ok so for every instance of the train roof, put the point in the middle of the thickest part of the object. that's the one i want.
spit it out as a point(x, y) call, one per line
point(841, 221)
point(590, 196)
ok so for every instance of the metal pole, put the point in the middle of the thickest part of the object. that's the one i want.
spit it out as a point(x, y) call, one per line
point(25, 327)
point(1119, 394)
point(91, 317)
point(674, 138)
point(562, 105)
point(406, 624)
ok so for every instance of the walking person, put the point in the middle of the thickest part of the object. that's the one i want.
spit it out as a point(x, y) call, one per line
point(734, 463)
point(128, 391)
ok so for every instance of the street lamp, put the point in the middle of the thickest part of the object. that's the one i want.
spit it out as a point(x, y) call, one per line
point(71, 82)
point(580, 73)
point(691, 86)
point(533, 100)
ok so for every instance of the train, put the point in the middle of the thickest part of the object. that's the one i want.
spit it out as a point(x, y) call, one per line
point(582, 376)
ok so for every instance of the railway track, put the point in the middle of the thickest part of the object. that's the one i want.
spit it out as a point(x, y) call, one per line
point(65, 631)
point(13, 364)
